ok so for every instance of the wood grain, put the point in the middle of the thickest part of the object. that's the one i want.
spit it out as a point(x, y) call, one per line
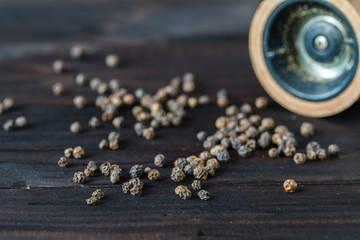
point(40, 201)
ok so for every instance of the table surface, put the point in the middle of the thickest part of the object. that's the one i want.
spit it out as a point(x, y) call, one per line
point(39, 200)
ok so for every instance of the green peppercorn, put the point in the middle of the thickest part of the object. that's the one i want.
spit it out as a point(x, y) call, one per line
point(261, 102)
point(290, 185)
point(105, 168)
point(9, 125)
point(80, 102)
point(273, 153)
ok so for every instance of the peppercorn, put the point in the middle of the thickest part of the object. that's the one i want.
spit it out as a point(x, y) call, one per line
point(114, 144)
point(95, 83)
point(129, 99)
point(75, 127)
point(268, 123)
point(255, 120)
point(92, 165)
point(300, 158)
point(148, 133)
point(221, 122)
point(251, 145)
point(188, 169)
point(147, 170)
point(223, 156)
point(290, 185)
point(196, 185)
point(188, 83)
point(244, 152)
point(307, 129)
point(92, 201)
point(199, 172)
point(94, 122)
point(77, 51)
point(103, 144)
point(205, 155)
point(59, 66)
point(177, 174)
point(105, 168)
point(139, 93)
point(321, 154)
point(114, 84)
point(289, 150)
point(213, 163)
point(265, 140)
point(154, 174)
point(183, 192)
point(246, 109)
point(311, 155)
point(222, 102)
point(136, 171)
point(58, 89)
point(261, 102)
point(78, 152)
point(79, 177)
point(89, 172)
point(9, 125)
point(98, 194)
point(204, 195)
point(115, 175)
point(82, 79)
point(281, 130)
point(314, 146)
point(133, 187)
point(273, 153)
point(80, 101)
point(112, 60)
point(159, 160)
point(68, 152)
point(126, 187)
point(114, 136)
point(204, 99)
point(135, 191)
point(63, 162)
point(20, 122)
point(117, 122)
point(333, 150)
point(180, 163)
point(139, 128)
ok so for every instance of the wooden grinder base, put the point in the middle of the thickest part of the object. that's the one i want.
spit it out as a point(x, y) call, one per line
point(351, 10)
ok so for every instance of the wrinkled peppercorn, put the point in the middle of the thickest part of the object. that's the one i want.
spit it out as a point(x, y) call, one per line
point(78, 152)
point(177, 174)
point(136, 171)
point(196, 185)
point(63, 162)
point(154, 175)
point(79, 177)
point(204, 195)
point(159, 160)
point(290, 185)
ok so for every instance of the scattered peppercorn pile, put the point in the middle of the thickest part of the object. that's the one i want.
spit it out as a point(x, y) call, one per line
point(239, 129)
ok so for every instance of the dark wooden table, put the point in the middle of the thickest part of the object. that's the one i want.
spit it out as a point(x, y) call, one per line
point(158, 40)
